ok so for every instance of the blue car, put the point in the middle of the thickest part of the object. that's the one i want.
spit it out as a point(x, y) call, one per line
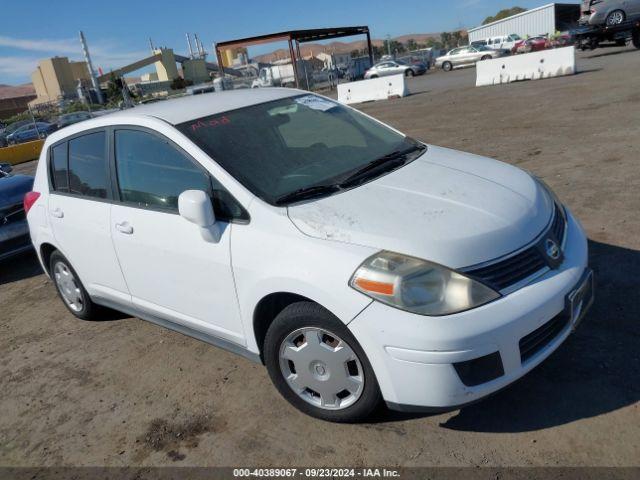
point(14, 231)
point(31, 131)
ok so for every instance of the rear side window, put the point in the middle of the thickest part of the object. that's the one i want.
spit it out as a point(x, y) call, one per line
point(88, 165)
point(59, 171)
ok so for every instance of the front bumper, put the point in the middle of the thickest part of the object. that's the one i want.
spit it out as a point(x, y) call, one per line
point(14, 239)
point(413, 356)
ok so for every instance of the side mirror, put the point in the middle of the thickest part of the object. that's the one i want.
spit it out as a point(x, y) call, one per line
point(196, 207)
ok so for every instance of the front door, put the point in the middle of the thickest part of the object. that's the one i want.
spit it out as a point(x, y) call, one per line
point(171, 271)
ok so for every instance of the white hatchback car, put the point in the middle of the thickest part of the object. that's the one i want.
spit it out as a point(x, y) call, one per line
point(358, 264)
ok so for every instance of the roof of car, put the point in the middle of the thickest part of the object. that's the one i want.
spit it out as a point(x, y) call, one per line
point(190, 107)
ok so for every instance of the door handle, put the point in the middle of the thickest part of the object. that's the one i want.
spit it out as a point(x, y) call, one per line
point(57, 212)
point(125, 228)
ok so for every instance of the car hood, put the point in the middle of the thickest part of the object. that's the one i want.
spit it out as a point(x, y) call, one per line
point(13, 188)
point(452, 208)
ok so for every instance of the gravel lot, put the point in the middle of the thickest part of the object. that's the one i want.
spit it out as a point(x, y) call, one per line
point(125, 392)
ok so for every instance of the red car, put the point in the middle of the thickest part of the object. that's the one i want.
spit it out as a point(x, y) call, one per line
point(533, 44)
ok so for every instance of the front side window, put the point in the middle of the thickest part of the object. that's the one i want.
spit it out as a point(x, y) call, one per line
point(152, 173)
point(280, 147)
point(88, 165)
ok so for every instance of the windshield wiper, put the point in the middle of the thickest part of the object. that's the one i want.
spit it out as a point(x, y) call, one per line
point(306, 193)
point(390, 162)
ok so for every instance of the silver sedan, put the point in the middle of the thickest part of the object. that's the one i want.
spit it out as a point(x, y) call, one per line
point(466, 56)
point(394, 67)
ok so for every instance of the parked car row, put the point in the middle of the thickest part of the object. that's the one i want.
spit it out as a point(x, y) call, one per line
point(28, 130)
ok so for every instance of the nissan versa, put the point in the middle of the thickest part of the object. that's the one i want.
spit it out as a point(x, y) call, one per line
point(359, 265)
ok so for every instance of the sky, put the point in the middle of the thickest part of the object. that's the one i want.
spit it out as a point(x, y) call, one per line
point(118, 32)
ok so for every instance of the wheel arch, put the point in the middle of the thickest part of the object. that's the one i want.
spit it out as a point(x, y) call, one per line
point(46, 250)
point(267, 309)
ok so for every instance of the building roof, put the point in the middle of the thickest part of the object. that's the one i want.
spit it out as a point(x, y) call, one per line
point(527, 12)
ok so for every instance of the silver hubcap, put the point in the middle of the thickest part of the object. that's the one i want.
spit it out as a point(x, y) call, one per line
point(68, 287)
point(616, 18)
point(321, 368)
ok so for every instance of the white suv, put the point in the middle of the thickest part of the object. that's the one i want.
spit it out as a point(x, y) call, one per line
point(358, 264)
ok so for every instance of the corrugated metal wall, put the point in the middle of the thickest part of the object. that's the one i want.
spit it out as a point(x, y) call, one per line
point(533, 22)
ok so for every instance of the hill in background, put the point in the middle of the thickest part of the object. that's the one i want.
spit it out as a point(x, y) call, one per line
point(307, 49)
point(11, 91)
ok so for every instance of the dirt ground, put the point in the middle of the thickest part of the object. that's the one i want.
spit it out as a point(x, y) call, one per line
point(125, 392)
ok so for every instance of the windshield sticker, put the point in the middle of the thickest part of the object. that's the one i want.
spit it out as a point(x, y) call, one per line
point(212, 122)
point(316, 103)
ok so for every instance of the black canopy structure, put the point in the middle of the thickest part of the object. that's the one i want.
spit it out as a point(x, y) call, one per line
point(294, 38)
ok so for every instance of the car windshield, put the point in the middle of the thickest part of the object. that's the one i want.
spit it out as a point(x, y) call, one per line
point(291, 144)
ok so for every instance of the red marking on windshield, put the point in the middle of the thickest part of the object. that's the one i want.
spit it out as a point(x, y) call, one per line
point(212, 122)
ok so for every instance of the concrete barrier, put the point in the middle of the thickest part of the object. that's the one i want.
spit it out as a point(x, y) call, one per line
point(373, 89)
point(529, 66)
point(23, 152)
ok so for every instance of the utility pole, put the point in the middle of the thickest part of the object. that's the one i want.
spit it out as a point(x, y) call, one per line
point(92, 73)
point(389, 45)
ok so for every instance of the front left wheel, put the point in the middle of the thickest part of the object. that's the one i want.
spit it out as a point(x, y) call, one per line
point(318, 366)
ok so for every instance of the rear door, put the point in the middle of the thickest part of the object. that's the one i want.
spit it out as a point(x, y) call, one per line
point(79, 212)
point(171, 271)
point(469, 56)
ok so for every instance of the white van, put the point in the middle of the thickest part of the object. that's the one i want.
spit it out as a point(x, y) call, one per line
point(503, 42)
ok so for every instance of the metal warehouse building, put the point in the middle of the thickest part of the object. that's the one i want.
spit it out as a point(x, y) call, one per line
point(537, 21)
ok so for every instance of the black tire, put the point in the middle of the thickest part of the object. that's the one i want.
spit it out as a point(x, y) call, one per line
point(615, 18)
point(447, 66)
point(89, 310)
point(309, 314)
point(621, 42)
point(635, 38)
point(373, 76)
point(486, 57)
point(409, 73)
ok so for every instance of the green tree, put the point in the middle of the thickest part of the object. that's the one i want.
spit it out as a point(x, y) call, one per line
point(507, 12)
point(445, 39)
point(114, 89)
point(411, 45)
point(180, 83)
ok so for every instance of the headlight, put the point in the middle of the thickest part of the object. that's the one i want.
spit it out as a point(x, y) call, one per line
point(418, 286)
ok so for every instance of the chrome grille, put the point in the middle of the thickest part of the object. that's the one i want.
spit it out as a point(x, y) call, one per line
point(506, 273)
